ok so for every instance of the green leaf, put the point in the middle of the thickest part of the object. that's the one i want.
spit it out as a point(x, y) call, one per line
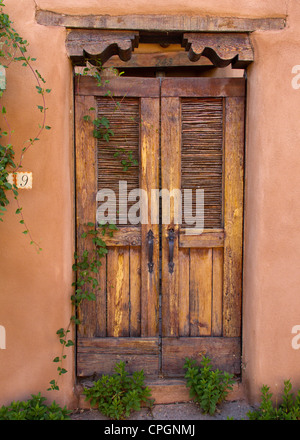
point(70, 343)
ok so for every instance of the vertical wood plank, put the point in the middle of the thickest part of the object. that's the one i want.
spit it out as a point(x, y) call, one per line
point(184, 292)
point(101, 300)
point(149, 179)
point(118, 291)
point(200, 292)
point(85, 157)
point(233, 215)
point(170, 180)
point(135, 291)
point(217, 293)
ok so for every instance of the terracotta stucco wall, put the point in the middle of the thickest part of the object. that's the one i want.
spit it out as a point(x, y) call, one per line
point(271, 267)
point(35, 288)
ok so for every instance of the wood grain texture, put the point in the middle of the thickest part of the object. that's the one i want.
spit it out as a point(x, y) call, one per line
point(184, 292)
point(225, 353)
point(119, 87)
point(99, 355)
point(221, 49)
point(149, 178)
point(135, 291)
point(125, 236)
point(170, 181)
point(101, 299)
point(202, 87)
point(157, 59)
point(89, 44)
point(86, 200)
point(217, 292)
point(206, 239)
point(200, 292)
point(233, 216)
point(118, 291)
point(155, 23)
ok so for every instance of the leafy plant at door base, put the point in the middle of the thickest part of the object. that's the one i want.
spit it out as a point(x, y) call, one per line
point(34, 409)
point(208, 387)
point(288, 409)
point(117, 395)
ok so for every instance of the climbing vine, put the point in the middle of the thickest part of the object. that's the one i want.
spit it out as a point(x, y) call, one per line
point(87, 264)
point(86, 267)
point(14, 49)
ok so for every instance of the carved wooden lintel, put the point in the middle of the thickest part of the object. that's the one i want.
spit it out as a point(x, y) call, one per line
point(221, 49)
point(99, 45)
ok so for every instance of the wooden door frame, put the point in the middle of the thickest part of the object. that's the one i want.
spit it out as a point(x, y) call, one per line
point(153, 27)
point(171, 348)
point(232, 90)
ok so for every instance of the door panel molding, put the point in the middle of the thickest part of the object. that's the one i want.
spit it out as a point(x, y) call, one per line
point(233, 215)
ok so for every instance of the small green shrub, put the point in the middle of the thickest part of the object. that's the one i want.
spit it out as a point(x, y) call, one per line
point(34, 409)
point(117, 395)
point(208, 387)
point(288, 409)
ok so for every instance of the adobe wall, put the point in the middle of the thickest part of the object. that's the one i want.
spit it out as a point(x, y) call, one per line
point(35, 288)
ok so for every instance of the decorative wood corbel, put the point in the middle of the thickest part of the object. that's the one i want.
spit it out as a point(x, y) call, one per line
point(100, 45)
point(220, 48)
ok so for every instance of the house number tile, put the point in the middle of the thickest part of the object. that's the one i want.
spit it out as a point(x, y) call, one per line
point(22, 180)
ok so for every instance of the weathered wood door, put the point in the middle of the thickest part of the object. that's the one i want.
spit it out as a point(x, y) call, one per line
point(170, 285)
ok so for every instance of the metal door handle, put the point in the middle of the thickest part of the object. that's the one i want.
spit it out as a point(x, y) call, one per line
point(171, 238)
point(150, 238)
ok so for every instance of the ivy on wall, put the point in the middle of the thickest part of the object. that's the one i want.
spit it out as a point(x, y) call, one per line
point(14, 49)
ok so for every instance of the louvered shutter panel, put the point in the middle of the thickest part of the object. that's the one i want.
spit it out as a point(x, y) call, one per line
point(202, 155)
point(118, 157)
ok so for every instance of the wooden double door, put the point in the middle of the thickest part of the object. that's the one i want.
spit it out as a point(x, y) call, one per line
point(170, 285)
